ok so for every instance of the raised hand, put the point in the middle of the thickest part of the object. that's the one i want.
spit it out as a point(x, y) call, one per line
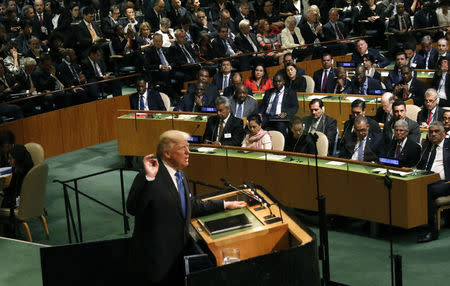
point(151, 166)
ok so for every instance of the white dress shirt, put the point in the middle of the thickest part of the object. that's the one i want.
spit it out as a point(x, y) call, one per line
point(280, 100)
point(438, 164)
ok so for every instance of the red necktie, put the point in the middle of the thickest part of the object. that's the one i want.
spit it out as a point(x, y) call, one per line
point(41, 20)
point(429, 118)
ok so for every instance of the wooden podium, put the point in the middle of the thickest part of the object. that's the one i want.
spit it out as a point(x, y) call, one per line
point(268, 249)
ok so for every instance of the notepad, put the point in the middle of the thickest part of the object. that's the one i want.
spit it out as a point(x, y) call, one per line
point(335, 163)
point(206, 149)
point(272, 157)
point(226, 224)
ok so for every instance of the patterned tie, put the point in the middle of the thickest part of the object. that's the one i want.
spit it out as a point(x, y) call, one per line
point(141, 103)
point(239, 110)
point(91, 31)
point(324, 81)
point(273, 108)
point(41, 20)
point(162, 58)
point(361, 151)
point(225, 82)
point(181, 192)
point(186, 53)
point(398, 150)
point(220, 130)
point(230, 51)
point(338, 32)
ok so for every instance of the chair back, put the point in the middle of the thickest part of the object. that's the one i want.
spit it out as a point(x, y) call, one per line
point(32, 194)
point(166, 101)
point(277, 140)
point(322, 144)
point(412, 111)
point(309, 83)
point(36, 151)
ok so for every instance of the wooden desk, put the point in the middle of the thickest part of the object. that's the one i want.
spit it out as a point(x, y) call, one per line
point(351, 189)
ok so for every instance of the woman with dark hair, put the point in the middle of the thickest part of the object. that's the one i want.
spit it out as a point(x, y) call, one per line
point(258, 138)
point(67, 19)
point(259, 80)
point(369, 60)
point(205, 52)
point(21, 163)
point(192, 6)
point(294, 81)
point(13, 60)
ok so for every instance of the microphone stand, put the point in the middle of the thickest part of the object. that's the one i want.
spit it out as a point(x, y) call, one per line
point(396, 260)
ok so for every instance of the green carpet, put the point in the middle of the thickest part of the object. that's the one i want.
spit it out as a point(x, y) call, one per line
point(355, 258)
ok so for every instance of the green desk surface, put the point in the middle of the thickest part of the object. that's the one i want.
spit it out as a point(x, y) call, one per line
point(164, 116)
point(300, 160)
point(302, 97)
point(251, 217)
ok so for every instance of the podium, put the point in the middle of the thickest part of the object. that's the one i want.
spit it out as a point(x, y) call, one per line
point(272, 252)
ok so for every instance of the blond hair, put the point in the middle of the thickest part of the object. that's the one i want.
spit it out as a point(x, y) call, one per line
point(168, 139)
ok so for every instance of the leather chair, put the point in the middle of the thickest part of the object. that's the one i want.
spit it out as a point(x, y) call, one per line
point(322, 144)
point(277, 140)
point(36, 151)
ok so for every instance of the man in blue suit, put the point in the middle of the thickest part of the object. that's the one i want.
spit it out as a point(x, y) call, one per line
point(324, 78)
point(223, 78)
point(395, 75)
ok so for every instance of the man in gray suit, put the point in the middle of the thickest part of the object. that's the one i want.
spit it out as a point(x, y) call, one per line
point(243, 105)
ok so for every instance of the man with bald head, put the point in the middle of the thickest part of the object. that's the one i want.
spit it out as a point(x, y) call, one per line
point(362, 84)
point(230, 91)
point(384, 112)
point(241, 104)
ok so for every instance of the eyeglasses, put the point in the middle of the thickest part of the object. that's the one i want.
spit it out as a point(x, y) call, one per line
point(361, 130)
point(400, 130)
point(430, 100)
point(445, 118)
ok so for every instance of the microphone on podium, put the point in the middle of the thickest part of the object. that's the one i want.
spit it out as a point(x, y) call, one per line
point(251, 199)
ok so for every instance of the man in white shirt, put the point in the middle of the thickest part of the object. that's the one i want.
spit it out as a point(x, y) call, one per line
point(435, 158)
point(431, 112)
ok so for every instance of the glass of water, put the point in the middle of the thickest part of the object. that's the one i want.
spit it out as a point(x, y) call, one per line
point(231, 255)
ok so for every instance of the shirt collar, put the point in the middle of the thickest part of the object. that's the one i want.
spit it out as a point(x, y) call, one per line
point(171, 170)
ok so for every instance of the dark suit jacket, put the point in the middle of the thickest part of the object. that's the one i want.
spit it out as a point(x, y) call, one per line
point(392, 79)
point(154, 100)
point(42, 80)
point(230, 91)
point(446, 156)
point(151, 17)
point(414, 130)
point(65, 76)
point(372, 149)
point(218, 80)
point(435, 84)
point(107, 26)
point(288, 106)
point(208, 100)
point(297, 85)
point(409, 155)
point(372, 85)
point(308, 34)
point(417, 91)
point(329, 88)
point(432, 60)
point(374, 127)
point(152, 60)
point(250, 106)
point(89, 72)
point(394, 26)
point(282, 72)
point(244, 45)
point(177, 56)
point(154, 250)
point(418, 62)
point(380, 60)
point(330, 34)
point(83, 38)
point(303, 144)
point(220, 49)
point(233, 131)
point(381, 116)
point(47, 24)
point(327, 126)
point(422, 116)
point(176, 17)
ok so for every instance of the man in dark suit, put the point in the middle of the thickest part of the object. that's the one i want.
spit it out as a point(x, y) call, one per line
point(241, 104)
point(130, 21)
point(298, 141)
point(198, 97)
point(424, 18)
point(362, 84)
point(225, 19)
point(341, 81)
point(244, 13)
point(289, 59)
point(384, 112)
point(324, 78)
point(319, 121)
point(399, 25)
point(429, 53)
point(159, 197)
point(202, 24)
point(435, 158)
point(415, 60)
point(358, 108)
point(157, 61)
point(109, 23)
point(246, 42)
point(236, 80)
point(335, 30)
point(181, 54)
point(146, 99)
point(446, 122)
point(42, 22)
point(362, 48)
point(223, 78)
point(224, 128)
point(311, 31)
point(362, 145)
point(176, 13)
point(223, 46)
point(395, 75)
point(399, 112)
point(441, 82)
point(69, 73)
point(410, 87)
point(154, 15)
point(431, 112)
point(85, 33)
point(94, 69)
point(278, 106)
point(405, 150)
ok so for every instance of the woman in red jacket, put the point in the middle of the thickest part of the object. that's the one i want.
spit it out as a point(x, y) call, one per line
point(259, 80)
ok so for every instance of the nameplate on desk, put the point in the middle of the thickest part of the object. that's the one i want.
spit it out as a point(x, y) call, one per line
point(208, 109)
point(346, 64)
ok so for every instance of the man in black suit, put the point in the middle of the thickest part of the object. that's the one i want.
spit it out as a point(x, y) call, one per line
point(362, 48)
point(441, 82)
point(424, 18)
point(399, 112)
point(181, 54)
point(85, 33)
point(442, 48)
point(435, 158)
point(319, 121)
point(362, 145)
point(410, 87)
point(246, 42)
point(244, 13)
point(109, 23)
point(225, 19)
point(384, 112)
point(324, 78)
point(42, 22)
point(341, 82)
point(446, 122)
point(399, 25)
point(198, 97)
point(241, 104)
point(94, 69)
point(358, 108)
point(70, 75)
point(289, 59)
point(311, 30)
point(362, 84)
point(298, 141)
point(405, 150)
point(335, 30)
point(223, 46)
point(159, 197)
point(224, 128)
point(176, 13)
point(278, 106)
point(223, 78)
point(431, 112)
point(157, 61)
point(395, 75)
point(146, 99)
point(236, 80)
point(130, 21)
point(415, 60)
point(429, 53)
point(154, 15)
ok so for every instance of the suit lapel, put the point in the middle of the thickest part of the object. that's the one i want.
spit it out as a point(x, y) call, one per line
point(172, 189)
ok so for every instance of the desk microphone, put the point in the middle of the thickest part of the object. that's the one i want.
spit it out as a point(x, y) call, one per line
point(195, 129)
point(253, 200)
point(261, 200)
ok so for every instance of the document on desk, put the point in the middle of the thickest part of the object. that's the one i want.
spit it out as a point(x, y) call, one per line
point(272, 157)
point(383, 171)
point(206, 149)
point(353, 98)
point(335, 163)
point(316, 96)
point(185, 116)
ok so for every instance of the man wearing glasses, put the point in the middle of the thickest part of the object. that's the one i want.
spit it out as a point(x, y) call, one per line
point(431, 112)
point(405, 150)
